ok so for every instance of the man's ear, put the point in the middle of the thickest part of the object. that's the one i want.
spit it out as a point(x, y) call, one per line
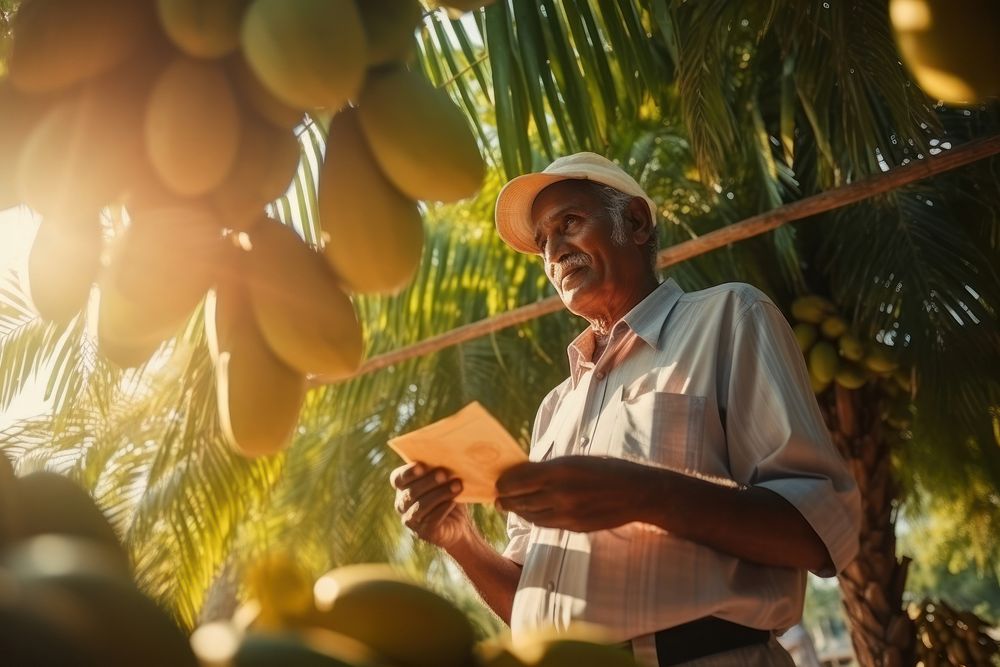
point(640, 222)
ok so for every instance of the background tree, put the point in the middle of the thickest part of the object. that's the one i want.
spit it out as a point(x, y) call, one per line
point(722, 110)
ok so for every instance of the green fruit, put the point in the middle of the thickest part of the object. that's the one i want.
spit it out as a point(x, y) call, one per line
point(812, 309)
point(302, 312)
point(309, 53)
point(59, 43)
point(51, 503)
point(112, 622)
point(465, 5)
point(9, 512)
point(265, 165)
point(54, 554)
point(424, 629)
point(19, 113)
point(159, 270)
point(389, 27)
point(823, 361)
point(62, 266)
point(818, 386)
point(315, 649)
point(904, 379)
point(192, 126)
point(833, 327)
point(805, 334)
point(419, 137)
point(203, 29)
point(851, 348)
point(259, 397)
point(851, 376)
point(573, 653)
point(258, 98)
point(374, 233)
point(880, 360)
point(950, 46)
point(81, 151)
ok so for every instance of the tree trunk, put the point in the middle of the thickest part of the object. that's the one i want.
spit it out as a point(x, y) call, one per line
point(882, 633)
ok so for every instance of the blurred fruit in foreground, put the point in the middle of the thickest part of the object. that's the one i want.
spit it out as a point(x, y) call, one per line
point(951, 47)
point(424, 629)
point(50, 503)
point(374, 233)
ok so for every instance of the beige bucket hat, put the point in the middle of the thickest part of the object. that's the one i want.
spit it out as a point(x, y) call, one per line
point(513, 210)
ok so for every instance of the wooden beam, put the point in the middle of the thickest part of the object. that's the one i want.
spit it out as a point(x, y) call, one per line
point(755, 226)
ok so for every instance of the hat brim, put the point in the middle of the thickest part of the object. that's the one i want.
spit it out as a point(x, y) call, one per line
point(513, 208)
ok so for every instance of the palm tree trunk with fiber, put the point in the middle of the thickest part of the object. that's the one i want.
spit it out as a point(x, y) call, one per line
point(872, 585)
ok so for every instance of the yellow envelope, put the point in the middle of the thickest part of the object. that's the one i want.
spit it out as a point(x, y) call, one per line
point(471, 443)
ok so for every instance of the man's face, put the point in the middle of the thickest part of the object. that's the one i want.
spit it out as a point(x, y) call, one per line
point(573, 231)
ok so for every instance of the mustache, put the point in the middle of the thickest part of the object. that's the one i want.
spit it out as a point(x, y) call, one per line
point(559, 269)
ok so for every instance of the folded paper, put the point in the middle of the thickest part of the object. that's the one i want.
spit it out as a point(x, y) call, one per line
point(471, 443)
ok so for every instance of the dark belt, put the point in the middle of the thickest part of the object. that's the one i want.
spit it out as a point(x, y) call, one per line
point(705, 636)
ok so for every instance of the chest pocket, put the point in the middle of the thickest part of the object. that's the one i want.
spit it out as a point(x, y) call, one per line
point(662, 428)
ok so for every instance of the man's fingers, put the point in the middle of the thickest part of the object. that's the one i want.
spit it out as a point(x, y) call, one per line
point(422, 506)
point(524, 504)
point(404, 475)
point(524, 478)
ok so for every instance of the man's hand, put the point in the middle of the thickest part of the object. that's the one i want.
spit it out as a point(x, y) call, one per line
point(577, 493)
point(425, 499)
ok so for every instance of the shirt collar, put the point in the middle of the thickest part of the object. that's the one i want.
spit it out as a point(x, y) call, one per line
point(646, 320)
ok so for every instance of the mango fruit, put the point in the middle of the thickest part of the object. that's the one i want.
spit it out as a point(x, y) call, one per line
point(389, 26)
point(159, 270)
point(259, 396)
point(309, 53)
point(59, 43)
point(374, 234)
point(63, 265)
point(419, 137)
point(203, 29)
point(263, 169)
point(192, 126)
point(850, 376)
point(833, 327)
point(302, 312)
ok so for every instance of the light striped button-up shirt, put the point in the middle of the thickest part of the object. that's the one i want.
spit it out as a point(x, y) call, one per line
point(711, 383)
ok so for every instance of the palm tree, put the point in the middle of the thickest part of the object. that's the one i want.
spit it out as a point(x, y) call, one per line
point(723, 110)
point(765, 102)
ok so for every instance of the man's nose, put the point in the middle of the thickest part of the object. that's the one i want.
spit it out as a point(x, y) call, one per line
point(555, 249)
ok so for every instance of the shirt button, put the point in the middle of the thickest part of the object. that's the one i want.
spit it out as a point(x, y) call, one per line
point(599, 375)
point(584, 441)
point(551, 586)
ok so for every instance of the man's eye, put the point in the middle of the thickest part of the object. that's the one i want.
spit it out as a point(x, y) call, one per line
point(571, 220)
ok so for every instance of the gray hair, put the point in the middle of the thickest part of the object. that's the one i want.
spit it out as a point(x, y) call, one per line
point(616, 203)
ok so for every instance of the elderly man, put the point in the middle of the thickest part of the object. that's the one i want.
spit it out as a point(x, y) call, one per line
point(681, 481)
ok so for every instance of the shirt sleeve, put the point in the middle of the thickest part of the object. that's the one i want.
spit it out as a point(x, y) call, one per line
point(776, 435)
point(518, 534)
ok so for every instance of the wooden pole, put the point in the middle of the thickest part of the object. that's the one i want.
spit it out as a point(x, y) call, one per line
point(755, 226)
